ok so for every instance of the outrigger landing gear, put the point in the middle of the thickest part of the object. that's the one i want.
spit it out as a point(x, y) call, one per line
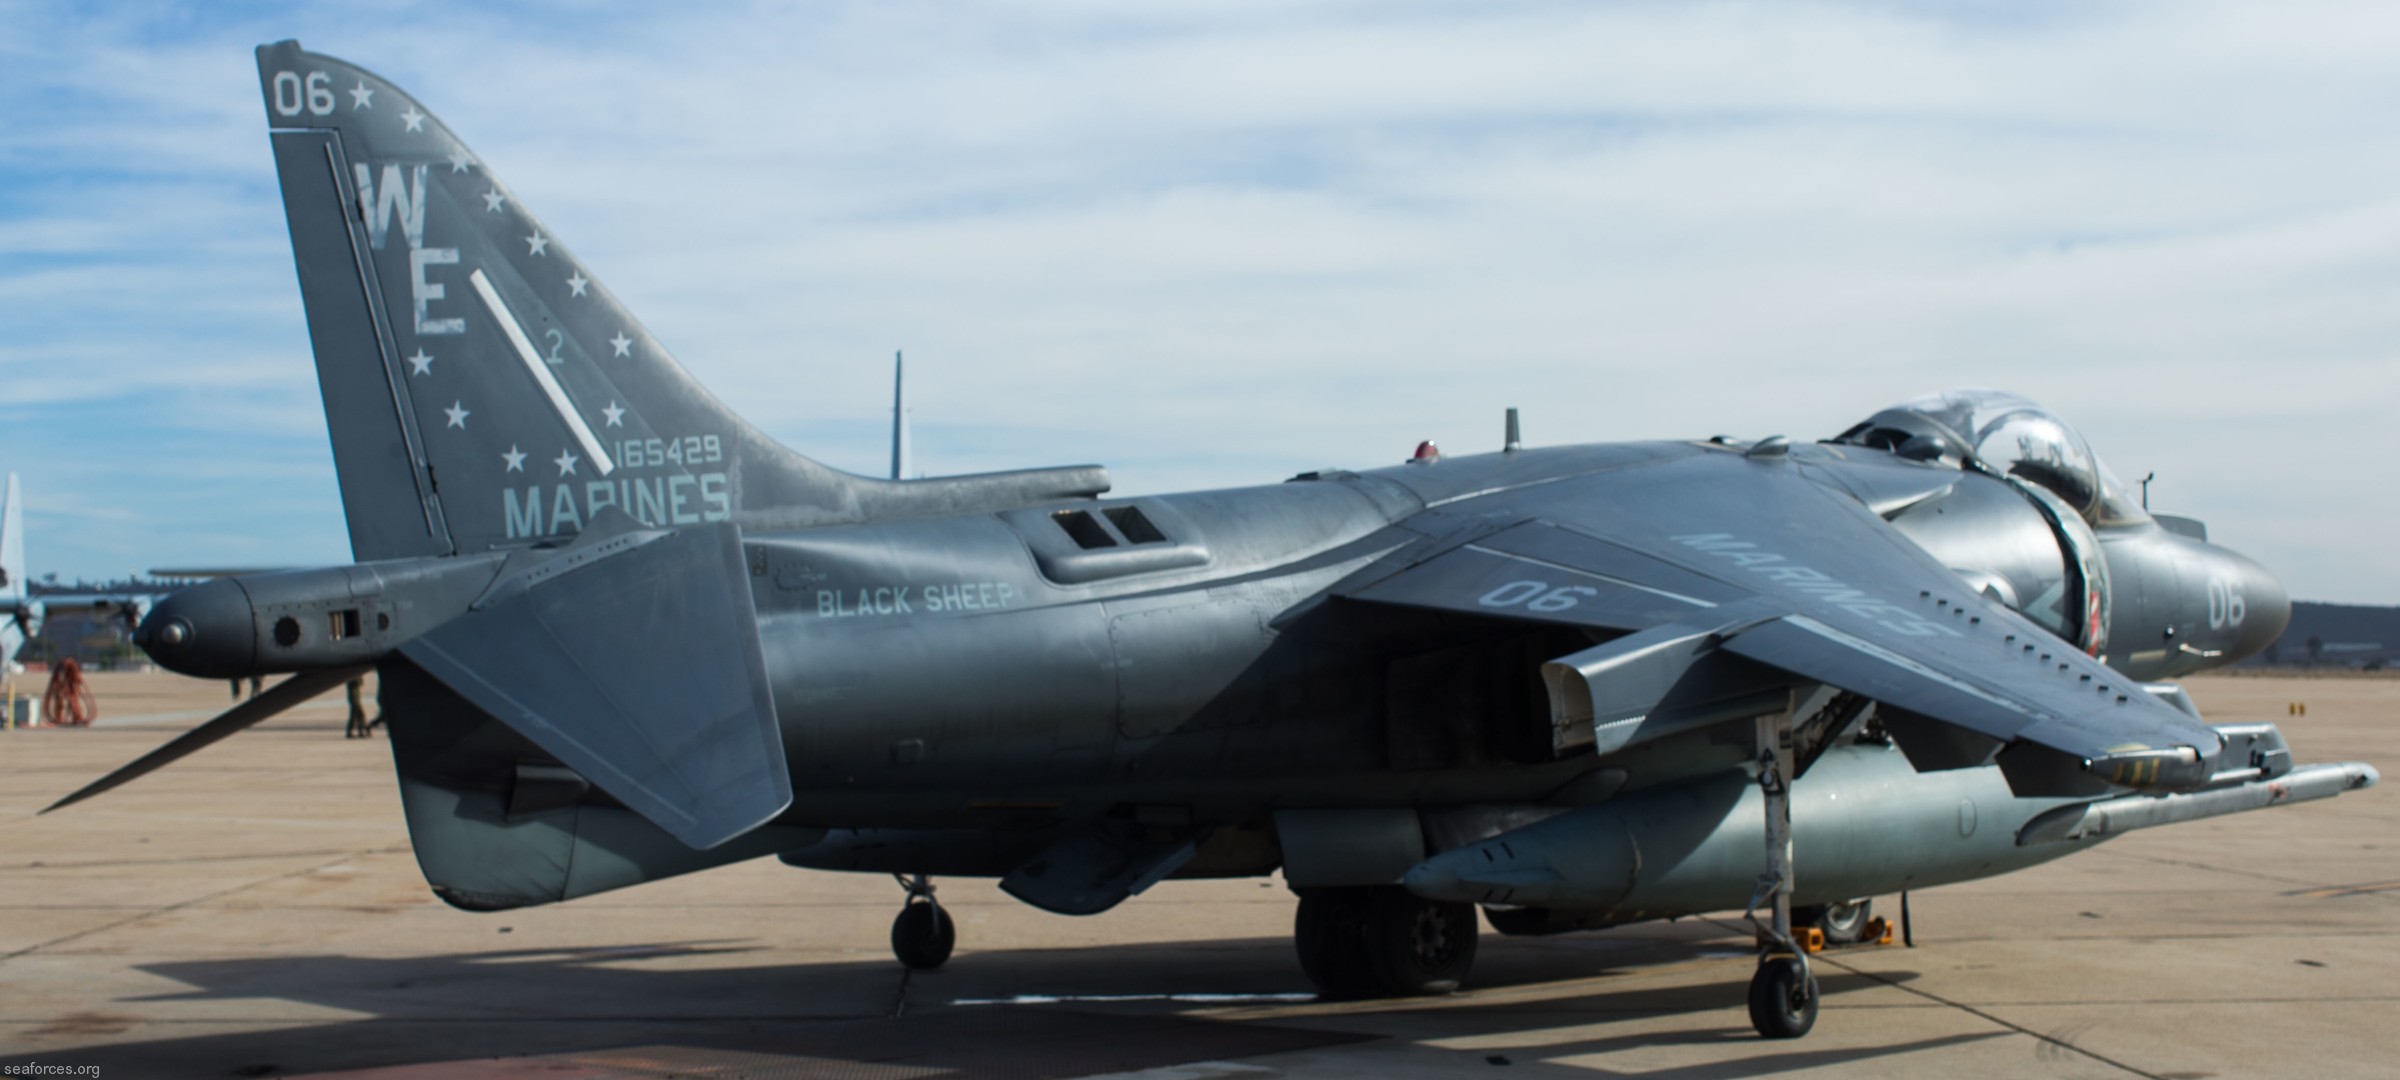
point(922, 935)
point(1783, 995)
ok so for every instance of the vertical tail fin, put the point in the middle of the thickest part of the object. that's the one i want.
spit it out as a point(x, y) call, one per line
point(481, 386)
point(12, 543)
point(16, 609)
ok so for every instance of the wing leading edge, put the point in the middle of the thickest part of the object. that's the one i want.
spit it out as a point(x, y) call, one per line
point(1720, 555)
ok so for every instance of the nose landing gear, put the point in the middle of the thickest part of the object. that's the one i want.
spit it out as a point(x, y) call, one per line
point(1783, 998)
point(922, 934)
point(1783, 995)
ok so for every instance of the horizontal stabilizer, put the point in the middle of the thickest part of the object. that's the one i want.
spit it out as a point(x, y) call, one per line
point(647, 680)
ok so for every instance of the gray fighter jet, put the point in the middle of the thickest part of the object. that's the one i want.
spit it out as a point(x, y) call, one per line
point(623, 635)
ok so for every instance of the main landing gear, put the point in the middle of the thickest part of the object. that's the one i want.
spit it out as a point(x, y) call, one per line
point(923, 934)
point(1382, 941)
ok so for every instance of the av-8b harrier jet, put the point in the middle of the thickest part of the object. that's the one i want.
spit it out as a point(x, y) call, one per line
point(622, 635)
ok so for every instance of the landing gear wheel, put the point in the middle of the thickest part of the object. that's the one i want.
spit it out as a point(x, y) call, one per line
point(1418, 946)
point(1842, 924)
point(1783, 998)
point(1381, 941)
point(922, 935)
point(1330, 933)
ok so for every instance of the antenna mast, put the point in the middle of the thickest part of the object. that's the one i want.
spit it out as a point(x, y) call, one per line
point(901, 463)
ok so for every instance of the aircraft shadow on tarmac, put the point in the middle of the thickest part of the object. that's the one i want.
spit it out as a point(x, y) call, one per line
point(1109, 1008)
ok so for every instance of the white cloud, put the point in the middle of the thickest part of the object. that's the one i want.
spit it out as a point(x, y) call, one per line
point(1212, 244)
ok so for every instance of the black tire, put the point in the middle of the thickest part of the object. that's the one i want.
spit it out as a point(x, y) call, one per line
point(1330, 934)
point(1417, 946)
point(922, 936)
point(1842, 924)
point(1783, 1002)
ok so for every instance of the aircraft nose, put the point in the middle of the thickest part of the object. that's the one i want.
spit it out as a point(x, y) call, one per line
point(203, 631)
point(2257, 608)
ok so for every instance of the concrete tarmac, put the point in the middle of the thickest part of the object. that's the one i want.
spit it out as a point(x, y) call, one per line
point(254, 911)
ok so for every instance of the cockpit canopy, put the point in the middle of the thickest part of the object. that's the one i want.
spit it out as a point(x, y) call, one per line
point(2004, 434)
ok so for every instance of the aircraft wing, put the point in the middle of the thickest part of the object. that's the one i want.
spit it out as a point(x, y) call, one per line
point(1767, 559)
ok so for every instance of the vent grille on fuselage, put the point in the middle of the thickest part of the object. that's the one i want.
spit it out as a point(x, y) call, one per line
point(1086, 532)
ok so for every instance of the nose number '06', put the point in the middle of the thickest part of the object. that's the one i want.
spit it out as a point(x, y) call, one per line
point(1536, 596)
point(2225, 604)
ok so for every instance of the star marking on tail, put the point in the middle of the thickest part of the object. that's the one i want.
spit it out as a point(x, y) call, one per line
point(492, 200)
point(361, 97)
point(621, 343)
point(459, 160)
point(565, 461)
point(537, 244)
point(578, 283)
point(421, 363)
point(515, 458)
point(414, 119)
point(615, 414)
point(457, 412)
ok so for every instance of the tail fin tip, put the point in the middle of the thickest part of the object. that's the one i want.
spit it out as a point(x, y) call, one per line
point(482, 388)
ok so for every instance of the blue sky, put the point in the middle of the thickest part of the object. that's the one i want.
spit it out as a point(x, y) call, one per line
point(1215, 244)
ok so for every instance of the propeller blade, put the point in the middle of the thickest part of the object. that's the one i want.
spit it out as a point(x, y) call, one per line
point(283, 695)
